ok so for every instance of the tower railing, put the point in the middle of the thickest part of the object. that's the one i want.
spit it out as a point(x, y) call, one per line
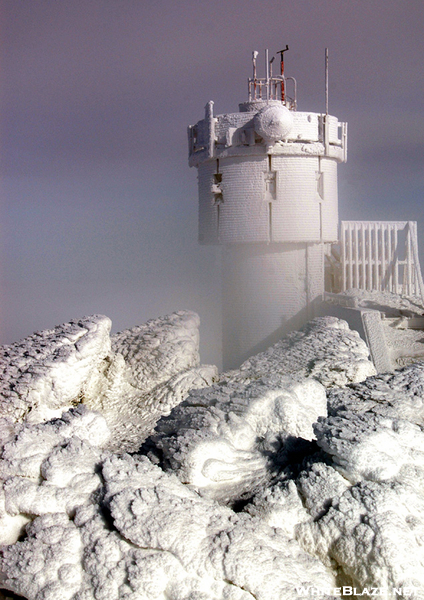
point(272, 88)
point(381, 255)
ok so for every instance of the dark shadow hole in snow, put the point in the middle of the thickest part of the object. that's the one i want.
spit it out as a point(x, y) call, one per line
point(325, 508)
point(6, 595)
point(154, 454)
point(107, 517)
point(240, 505)
point(293, 456)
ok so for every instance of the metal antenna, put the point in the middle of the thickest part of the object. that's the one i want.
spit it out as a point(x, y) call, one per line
point(267, 73)
point(326, 81)
point(254, 56)
point(283, 91)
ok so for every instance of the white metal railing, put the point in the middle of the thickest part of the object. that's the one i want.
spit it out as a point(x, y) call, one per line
point(272, 88)
point(381, 255)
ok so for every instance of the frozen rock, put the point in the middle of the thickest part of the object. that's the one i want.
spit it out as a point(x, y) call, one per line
point(280, 505)
point(220, 440)
point(132, 378)
point(374, 429)
point(142, 534)
point(325, 348)
point(367, 501)
point(159, 349)
point(132, 414)
point(154, 510)
point(317, 501)
point(49, 468)
point(151, 369)
point(373, 534)
point(47, 565)
point(49, 371)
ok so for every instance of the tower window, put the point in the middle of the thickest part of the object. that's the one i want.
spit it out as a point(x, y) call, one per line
point(270, 185)
point(217, 197)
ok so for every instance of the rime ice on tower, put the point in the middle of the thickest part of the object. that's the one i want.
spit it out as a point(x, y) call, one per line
point(268, 194)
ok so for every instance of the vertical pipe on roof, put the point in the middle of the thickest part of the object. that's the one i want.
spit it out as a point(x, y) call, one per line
point(267, 74)
point(326, 81)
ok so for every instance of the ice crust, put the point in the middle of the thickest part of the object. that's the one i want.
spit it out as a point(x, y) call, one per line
point(300, 469)
point(325, 349)
point(132, 377)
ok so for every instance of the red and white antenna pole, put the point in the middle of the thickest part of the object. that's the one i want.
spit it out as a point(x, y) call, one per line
point(283, 87)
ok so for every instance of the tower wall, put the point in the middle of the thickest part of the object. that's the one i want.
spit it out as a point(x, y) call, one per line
point(268, 290)
point(268, 193)
point(304, 205)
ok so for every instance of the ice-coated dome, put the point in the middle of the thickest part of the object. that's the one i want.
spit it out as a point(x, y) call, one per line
point(273, 123)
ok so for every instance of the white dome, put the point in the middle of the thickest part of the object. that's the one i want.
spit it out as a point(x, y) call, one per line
point(273, 123)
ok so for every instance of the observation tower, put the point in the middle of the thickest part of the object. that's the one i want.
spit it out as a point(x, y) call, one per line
point(267, 178)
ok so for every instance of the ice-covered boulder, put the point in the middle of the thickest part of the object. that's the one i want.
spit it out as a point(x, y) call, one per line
point(129, 530)
point(373, 535)
point(222, 440)
point(159, 349)
point(49, 467)
point(306, 499)
point(50, 371)
point(325, 348)
point(367, 501)
point(374, 429)
point(132, 378)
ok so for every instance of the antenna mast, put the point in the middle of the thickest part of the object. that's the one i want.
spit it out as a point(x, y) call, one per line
point(283, 90)
point(326, 81)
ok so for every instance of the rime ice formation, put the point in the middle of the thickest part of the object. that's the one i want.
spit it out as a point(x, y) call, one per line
point(133, 377)
point(373, 529)
point(49, 371)
point(302, 469)
point(223, 440)
point(325, 349)
point(220, 439)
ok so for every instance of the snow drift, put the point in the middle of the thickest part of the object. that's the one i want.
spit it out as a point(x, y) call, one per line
point(302, 469)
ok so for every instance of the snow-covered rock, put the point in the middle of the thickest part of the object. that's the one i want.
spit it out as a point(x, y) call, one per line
point(132, 378)
point(49, 371)
point(295, 471)
point(222, 440)
point(125, 529)
point(325, 349)
point(369, 497)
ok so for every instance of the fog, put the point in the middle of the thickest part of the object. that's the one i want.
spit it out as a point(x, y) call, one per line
point(98, 204)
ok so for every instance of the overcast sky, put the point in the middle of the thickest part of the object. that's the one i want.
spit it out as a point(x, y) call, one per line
point(98, 205)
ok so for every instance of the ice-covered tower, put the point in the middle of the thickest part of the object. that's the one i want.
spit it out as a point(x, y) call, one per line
point(268, 194)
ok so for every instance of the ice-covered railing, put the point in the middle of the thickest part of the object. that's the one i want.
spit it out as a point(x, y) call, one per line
point(380, 255)
point(272, 88)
